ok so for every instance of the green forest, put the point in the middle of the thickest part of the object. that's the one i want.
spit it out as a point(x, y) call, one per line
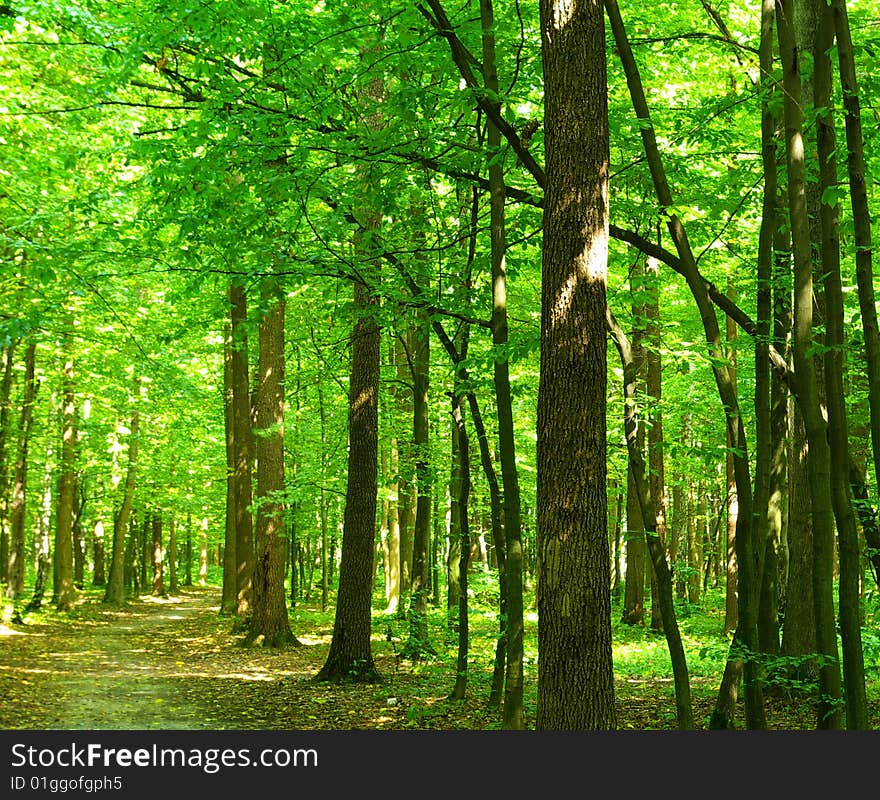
point(480, 365)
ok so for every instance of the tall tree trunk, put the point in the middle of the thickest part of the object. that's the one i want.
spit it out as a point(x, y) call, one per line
point(835, 342)
point(64, 589)
point(634, 589)
point(861, 219)
point(418, 643)
point(188, 553)
point(654, 386)
point(392, 585)
point(114, 593)
point(172, 556)
point(15, 572)
point(731, 603)
point(406, 505)
point(158, 557)
point(818, 456)
point(460, 488)
point(5, 433)
point(99, 574)
point(242, 440)
point(768, 637)
point(350, 656)
point(44, 556)
point(322, 510)
point(269, 623)
point(575, 675)
point(513, 690)
point(228, 598)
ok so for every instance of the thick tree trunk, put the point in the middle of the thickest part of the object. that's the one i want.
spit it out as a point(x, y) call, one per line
point(269, 624)
point(44, 557)
point(350, 656)
point(575, 675)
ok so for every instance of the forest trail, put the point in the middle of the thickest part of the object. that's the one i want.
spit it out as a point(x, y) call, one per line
point(115, 669)
point(175, 664)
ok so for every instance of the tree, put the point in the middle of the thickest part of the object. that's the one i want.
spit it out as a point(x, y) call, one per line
point(350, 656)
point(269, 624)
point(575, 678)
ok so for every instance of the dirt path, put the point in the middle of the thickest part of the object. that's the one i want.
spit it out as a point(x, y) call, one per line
point(174, 664)
point(113, 670)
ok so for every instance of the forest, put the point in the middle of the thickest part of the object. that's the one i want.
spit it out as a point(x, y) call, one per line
point(478, 364)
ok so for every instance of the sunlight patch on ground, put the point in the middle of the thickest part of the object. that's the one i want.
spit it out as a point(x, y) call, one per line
point(28, 670)
point(310, 640)
point(6, 631)
point(162, 601)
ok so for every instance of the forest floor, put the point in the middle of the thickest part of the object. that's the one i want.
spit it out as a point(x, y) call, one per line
point(175, 663)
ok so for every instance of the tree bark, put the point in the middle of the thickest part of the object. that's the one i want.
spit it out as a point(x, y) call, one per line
point(114, 593)
point(5, 435)
point(228, 598)
point(15, 571)
point(242, 440)
point(838, 438)
point(269, 624)
point(861, 219)
point(818, 456)
point(575, 675)
point(158, 553)
point(350, 656)
point(64, 590)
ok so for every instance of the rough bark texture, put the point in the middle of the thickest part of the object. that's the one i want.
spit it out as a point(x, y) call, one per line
point(350, 656)
point(575, 676)
point(269, 625)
